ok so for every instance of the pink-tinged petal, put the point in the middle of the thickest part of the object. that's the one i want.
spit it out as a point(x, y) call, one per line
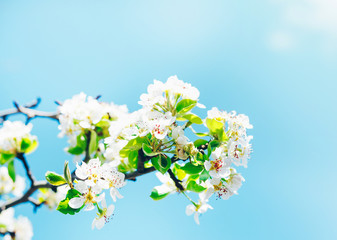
point(196, 218)
point(190, 209)
point(76, 202)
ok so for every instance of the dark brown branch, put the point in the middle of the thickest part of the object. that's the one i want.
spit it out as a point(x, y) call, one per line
point(176, 181)
point(35, 203)
point(30, 175)
point(44, 184)
point(87, 155)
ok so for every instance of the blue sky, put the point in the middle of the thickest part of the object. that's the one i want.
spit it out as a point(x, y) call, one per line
point(274, 61)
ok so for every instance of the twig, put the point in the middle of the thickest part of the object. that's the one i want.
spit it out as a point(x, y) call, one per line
point(6, 113)
point(176, 181)
point(22, 158)
point(32, 113)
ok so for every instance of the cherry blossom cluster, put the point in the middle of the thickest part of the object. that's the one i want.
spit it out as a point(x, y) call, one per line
point(85, 112)
point(93, 178)
point(15, 228)
point(160, 135)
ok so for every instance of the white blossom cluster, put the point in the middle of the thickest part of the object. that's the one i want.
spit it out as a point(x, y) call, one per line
point(156, 134)
point(84, 112)
point(12, 135)
point(157, 117)
point(15, 228)
point(7, 186)
point(96, 177)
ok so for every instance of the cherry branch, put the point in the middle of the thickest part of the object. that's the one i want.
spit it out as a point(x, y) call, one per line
point(30, 175)
point(29, 111)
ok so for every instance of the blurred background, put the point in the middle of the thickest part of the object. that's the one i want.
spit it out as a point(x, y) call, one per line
point(273, 60)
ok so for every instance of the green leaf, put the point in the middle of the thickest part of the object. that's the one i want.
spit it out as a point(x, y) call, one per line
point(64, 207)
point(204, 176)
point(185, 106)
point(201, 134)
point(214, 126)
point(193, 118)
point(5, 157)
point(76, 150)
point(193, 186)
point(55, 179)
point(148, 150)
point(199, 142)
point(93, 145)
point(214, 144)
point(133, 145)
point(133, 158)
point(25, 144)
point(81, 141)
point(11, 170)
point(156, 196)
point(161, 163)
point(67, 174)
point(189, 168)
point(34, 144)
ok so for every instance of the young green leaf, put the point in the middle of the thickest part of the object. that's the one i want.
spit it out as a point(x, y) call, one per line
point(156, 196)
point(25, 143)
point(193, 186)
point(189, 168)
point(148, 150)
point(11, 170)
point(193, 118)
point(93, 145)
point(185, 106)
point(161, 163)
point(199, 142)
point(67, 174)
point(55, 179)
point(64, 207)
point(76, 150)
point(5, 157)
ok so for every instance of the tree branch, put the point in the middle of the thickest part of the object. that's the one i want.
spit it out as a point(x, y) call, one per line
point(30, 175)
point(176, 181)
point(4, 114)
point(32, 113)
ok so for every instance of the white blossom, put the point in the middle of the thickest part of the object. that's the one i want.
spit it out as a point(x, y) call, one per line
point(88, 197)
point(201, 207)
point(11, 135)
point(218, 167)
point(103, 215)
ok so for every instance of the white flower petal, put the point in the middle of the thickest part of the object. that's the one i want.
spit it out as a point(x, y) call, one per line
point(76, 202)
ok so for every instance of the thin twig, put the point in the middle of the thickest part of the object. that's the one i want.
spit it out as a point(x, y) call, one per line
point(176, 181)
point(30, 175)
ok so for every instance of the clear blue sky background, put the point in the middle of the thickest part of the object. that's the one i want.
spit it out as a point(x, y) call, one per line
point(266, 59)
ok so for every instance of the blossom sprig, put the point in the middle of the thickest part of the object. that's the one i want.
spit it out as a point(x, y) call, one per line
point(87, 192)
point(15, 141)
point(155, 137)
point(85, 120)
